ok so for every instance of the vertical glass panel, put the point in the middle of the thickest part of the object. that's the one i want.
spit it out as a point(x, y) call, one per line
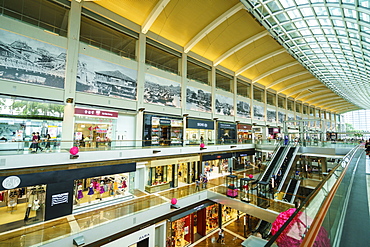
point(281, 102)
point(258, 94)
point(243, 88)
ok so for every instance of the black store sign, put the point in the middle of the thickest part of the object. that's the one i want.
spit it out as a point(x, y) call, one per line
point(165, 122)
point(216, 156)
point(199, 124)
point(226, 126)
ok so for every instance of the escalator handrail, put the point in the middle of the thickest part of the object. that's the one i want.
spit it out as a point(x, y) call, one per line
point(310, 197)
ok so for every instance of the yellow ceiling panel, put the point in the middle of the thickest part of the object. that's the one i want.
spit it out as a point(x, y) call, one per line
point(135, 11)
point(181, 20)
point(275, 62)
point(293, 80)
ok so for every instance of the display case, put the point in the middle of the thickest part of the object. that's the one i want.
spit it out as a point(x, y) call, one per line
point(263, 200)
point(245, 189)
point(156, 133)
point(232, 186)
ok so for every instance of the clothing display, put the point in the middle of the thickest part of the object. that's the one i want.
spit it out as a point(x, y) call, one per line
point(35, 205)
point(91, 191)
point(80, 194)
point(101, 189)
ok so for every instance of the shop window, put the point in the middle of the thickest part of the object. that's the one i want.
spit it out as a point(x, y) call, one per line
point(101, 188)
point(161, 130)
point(162, 57)
point(243, 88)
point(159, 178)
point(118, 40)
point(312, 111)
point(47, 15)
point(24, 205)
point(258, 94)
point(198, 71)
point(298, 107)
point(224, 81)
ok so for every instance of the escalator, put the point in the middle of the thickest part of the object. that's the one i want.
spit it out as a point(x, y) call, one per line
point(264, 228)
point(274, 162)
point(291, 190)
point(285, 167)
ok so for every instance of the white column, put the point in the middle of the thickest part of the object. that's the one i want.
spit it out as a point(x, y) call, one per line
point(141, 69)
point(71, 74)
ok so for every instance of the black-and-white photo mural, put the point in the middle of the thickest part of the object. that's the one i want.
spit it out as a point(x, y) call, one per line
point(27, 60)
point(290, 117)
point(104, 78)
point(243, 109)
point(198, 99)
point(224, 105)
point(281, 117)
point(271, 115)
point(162, 91)
point(258, 112)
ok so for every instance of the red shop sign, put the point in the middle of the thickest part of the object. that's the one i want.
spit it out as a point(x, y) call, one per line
point(97, 113)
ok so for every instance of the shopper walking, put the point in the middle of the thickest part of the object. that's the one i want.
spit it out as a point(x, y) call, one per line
point(220, 234)
point(197, 183)
point(205, 181)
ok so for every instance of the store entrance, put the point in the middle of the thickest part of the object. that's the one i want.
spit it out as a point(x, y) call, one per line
point(166, 136)
point(22, 206)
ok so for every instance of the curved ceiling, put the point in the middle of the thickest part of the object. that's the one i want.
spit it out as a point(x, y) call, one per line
point(225, 33)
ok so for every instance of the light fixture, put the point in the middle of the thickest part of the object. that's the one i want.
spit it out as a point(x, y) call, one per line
point(185, 114)
point(69, 100)
point(141, 109)
point(156, 151)
point(215, 118)
point(232, 146)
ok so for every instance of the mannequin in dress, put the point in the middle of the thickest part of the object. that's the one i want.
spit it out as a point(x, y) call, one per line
point(79, 194)
point(101, 190)
point(90, 192)
point(124, 185)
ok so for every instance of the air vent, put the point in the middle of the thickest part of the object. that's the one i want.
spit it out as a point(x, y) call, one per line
point(2, 162)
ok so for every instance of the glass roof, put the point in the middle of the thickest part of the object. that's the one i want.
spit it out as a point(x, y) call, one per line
point(331, 38)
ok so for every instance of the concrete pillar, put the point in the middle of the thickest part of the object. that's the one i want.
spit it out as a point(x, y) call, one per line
point(71, 74)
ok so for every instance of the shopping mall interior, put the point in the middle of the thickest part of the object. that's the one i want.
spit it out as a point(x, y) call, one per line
point(173, 123)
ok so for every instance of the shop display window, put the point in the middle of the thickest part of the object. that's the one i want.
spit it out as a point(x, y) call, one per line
point(228, 214)
point(180, 232)
point(197, 136)
point(93, 190)
point(162, 131)
point(212, 217)
point(22, 205)
point(94, 132)
point(160, 175)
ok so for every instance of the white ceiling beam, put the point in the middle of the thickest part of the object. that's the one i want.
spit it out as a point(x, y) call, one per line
point(303, 89)
point(288, 78)
point(282, 67)
point(297, 84)
point(346, 103)
point(321, 101)
point(260, 60)
point(156, 11)
point(210, 27)
point(321, 94)
point(240, 46)
point(314, 93)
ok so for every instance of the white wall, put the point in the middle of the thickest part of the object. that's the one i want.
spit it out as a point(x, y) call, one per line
point(134, 238)
point(125, 130)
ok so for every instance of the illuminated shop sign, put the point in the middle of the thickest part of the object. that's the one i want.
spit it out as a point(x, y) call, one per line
point(96, 113)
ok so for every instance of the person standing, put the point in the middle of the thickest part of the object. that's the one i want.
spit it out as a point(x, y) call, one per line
point(48, 139)
point(38, 142)
point(197, 183)
point(205, 181)
point(220, 234)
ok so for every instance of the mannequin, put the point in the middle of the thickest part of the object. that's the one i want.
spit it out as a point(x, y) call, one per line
point(36, 205)
point(79, 194)
point(101, 190)
point(124, 184)
point(115, 187)
point(90, 192)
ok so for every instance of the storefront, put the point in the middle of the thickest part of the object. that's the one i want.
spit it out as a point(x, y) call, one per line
point(22, 206)
point(216, 164)
point(199, 131)
point(242, 159)
point(16, 134)
point(274, 133)
point(101, 189)
point(170, 173)
point(35, 197)
point(162, 130)
point(226, 133)
point(244, 133)
point(94, 128)
point(189, 226)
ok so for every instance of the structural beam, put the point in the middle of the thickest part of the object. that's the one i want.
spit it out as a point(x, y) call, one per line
point(304, 89)
point(156, 11)
point(240, 46)
point(282, 67)
point(288, 78)
point(260, 60)
point(210, 27)
point(296, 84)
